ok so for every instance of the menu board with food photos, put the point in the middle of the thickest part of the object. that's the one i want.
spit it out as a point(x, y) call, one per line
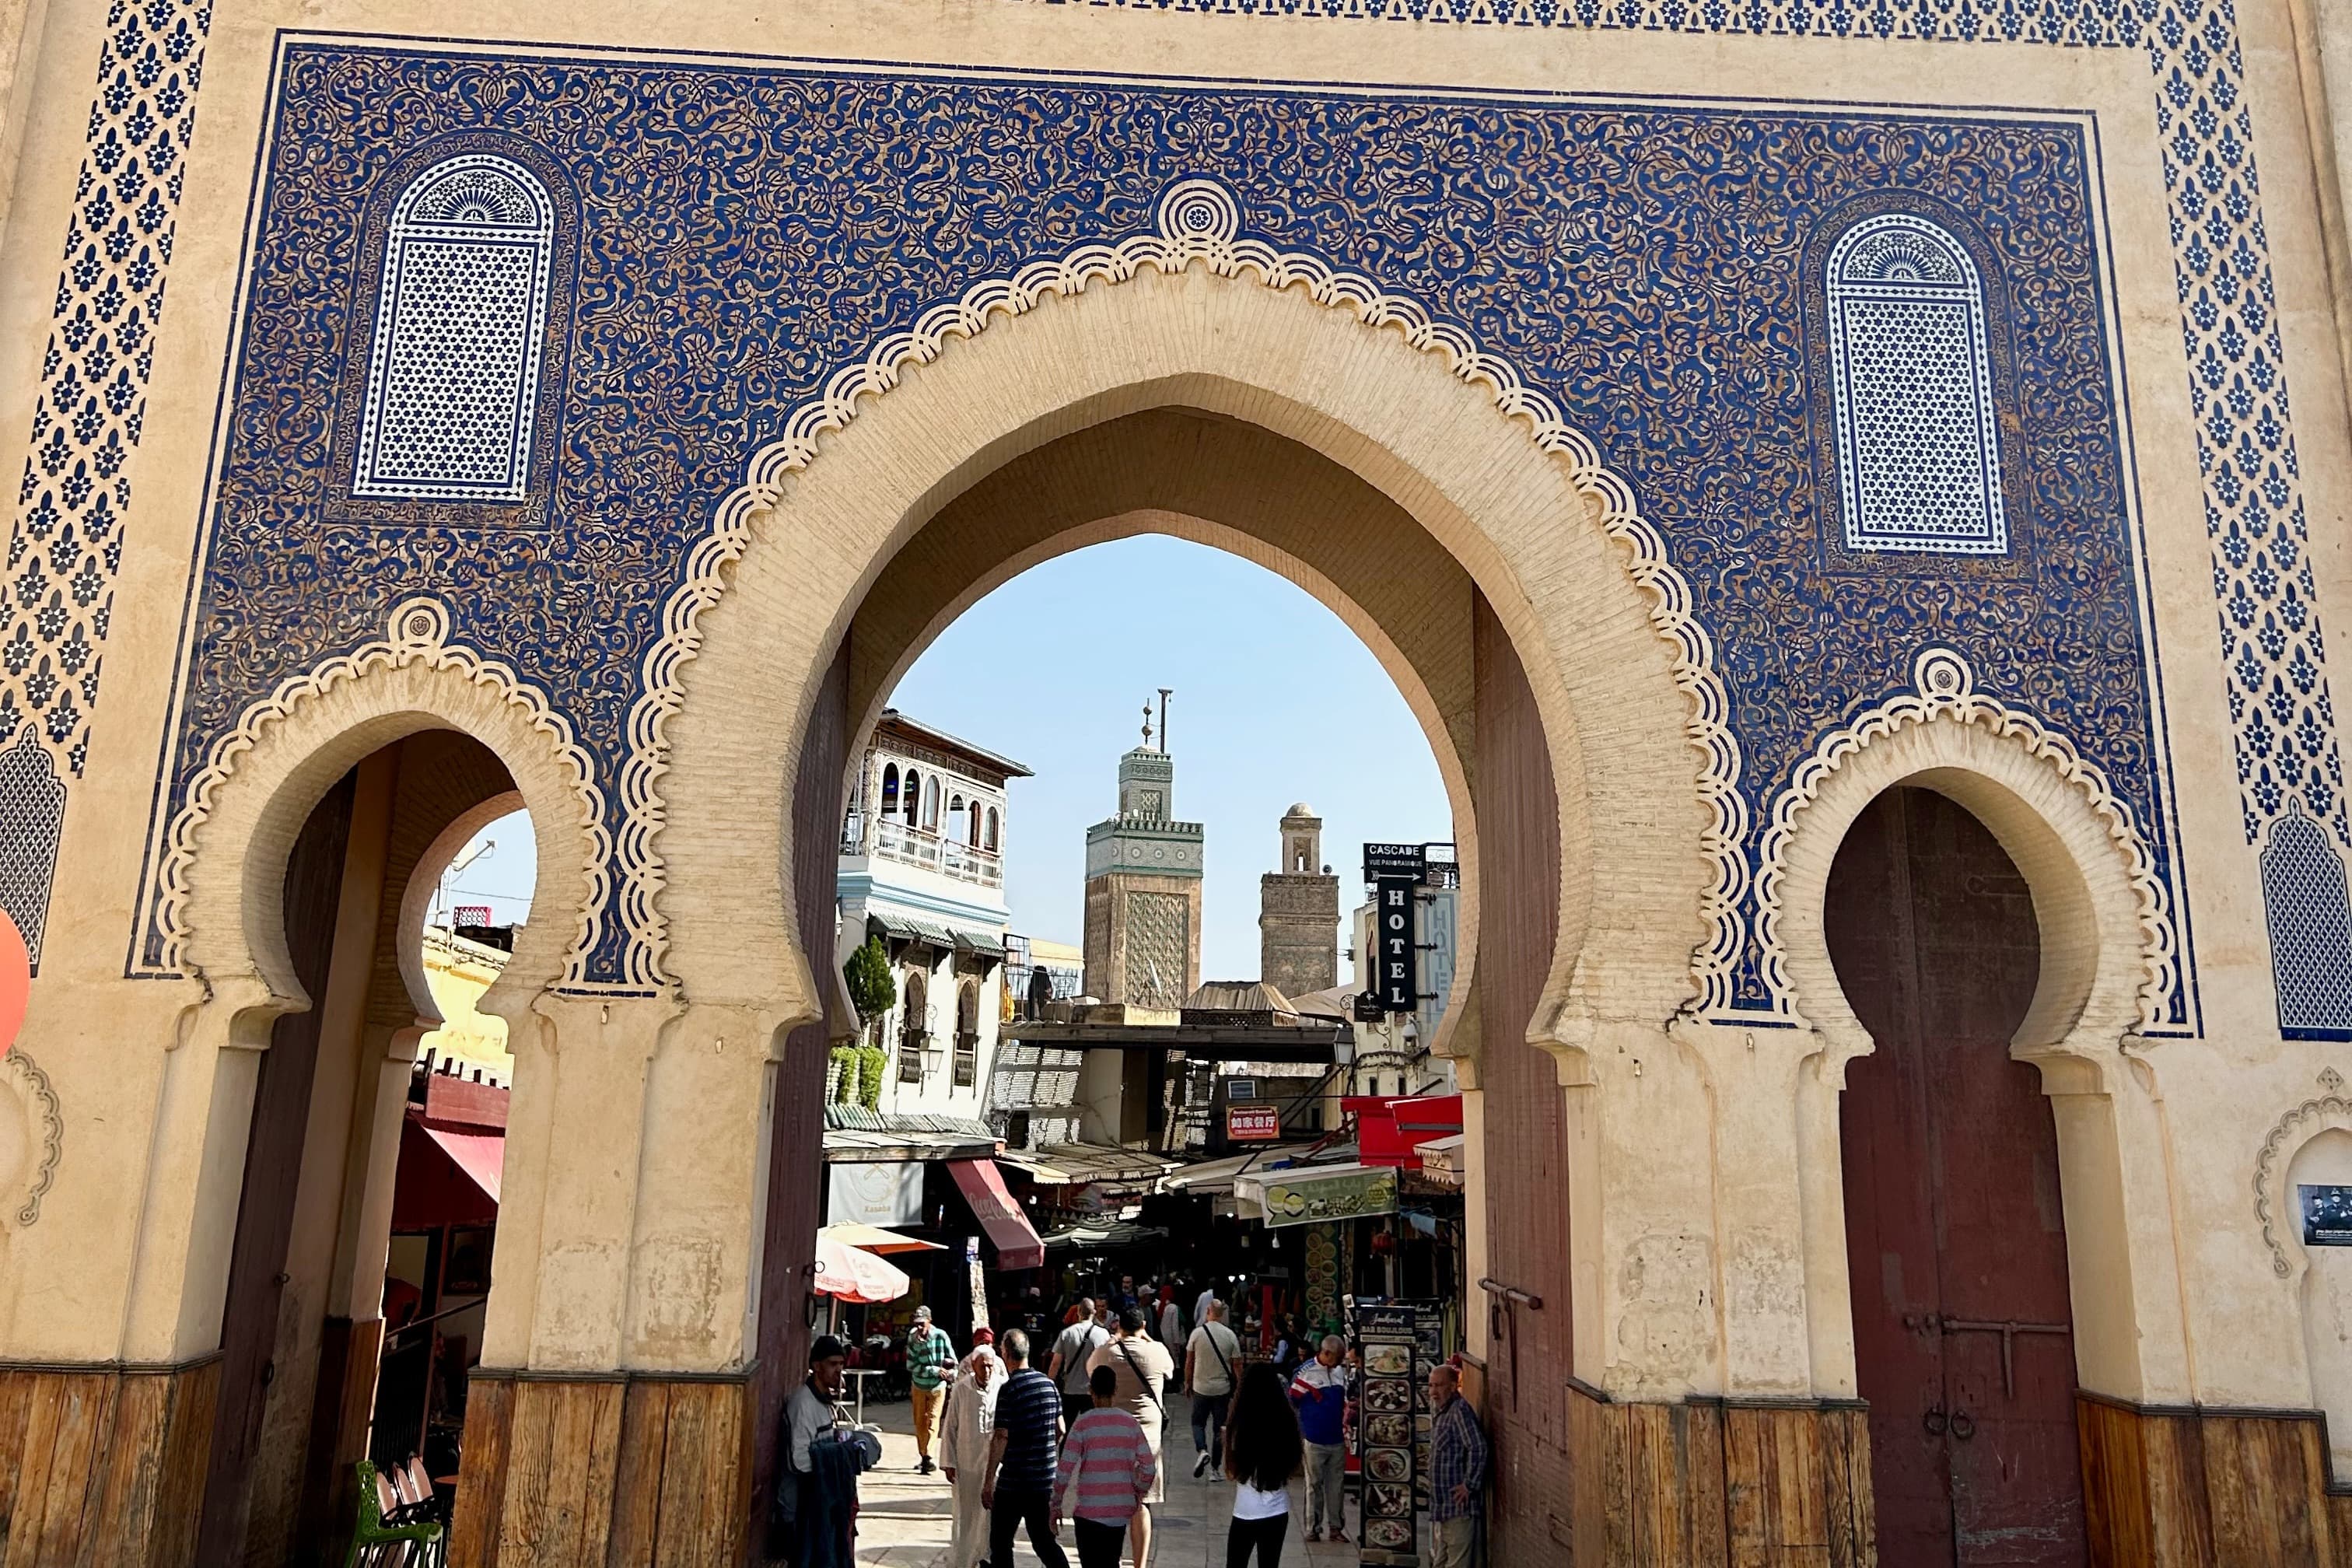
point(1396, 1343)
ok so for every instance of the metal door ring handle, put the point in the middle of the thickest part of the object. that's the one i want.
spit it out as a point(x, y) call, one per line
point(1963, 1427)
point(1935, 1421)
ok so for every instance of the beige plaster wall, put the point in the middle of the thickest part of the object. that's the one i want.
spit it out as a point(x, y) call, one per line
point(628, 1234)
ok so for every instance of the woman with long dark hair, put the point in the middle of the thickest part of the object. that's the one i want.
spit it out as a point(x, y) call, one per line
point(1263, 1451)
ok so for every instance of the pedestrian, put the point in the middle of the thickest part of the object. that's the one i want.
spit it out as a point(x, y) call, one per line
point(1107, 1469)
point(1171, 1318)
point(813, 1520)
point(1201, 1303)
point(1209, 1362)
point(1263, 1451)
point(1318, 1391)
point(931, 1361)
point(1073, 1360)
point(1018, 1488)
point(984, 1339)
point(966, 1426)
point(1142, 1367)
point(1458, 1469)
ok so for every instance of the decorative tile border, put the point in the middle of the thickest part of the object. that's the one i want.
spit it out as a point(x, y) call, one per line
point(64, 544)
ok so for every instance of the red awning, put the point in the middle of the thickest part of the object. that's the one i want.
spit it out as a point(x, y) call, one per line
point(1390, 1128)
point(481, 1155)
point(982, 1185)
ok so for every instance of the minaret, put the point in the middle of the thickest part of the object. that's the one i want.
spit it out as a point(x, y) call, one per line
point(1298, 912)
point(1143, 887)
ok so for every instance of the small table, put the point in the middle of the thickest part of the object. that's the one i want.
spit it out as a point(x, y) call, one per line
point(861, 1373)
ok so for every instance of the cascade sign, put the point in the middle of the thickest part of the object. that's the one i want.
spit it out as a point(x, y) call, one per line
point(1394, 860)
point(1398, 985)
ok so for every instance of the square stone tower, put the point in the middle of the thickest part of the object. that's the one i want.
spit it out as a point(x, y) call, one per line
point(1298, 912)
point(1143, 893)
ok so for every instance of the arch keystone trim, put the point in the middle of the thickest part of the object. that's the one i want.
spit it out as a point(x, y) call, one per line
point(417, 632)
point(1198, 223)
point(1945, 688)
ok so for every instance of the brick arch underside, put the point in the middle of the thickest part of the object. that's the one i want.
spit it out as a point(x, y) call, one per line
point(1216, 481)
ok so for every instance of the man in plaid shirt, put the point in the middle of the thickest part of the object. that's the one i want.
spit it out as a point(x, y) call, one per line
point(1458, 1469)
point(931, 1361)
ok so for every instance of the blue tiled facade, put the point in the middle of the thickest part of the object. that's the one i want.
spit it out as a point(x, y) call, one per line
point(736, 234)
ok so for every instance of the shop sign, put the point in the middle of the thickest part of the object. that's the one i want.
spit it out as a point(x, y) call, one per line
point(1328, 1194)
point(878, 1193)
point(1253, 1123)
point(1394, 860)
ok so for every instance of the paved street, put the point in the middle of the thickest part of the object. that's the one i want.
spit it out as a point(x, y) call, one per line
point(903, 1517)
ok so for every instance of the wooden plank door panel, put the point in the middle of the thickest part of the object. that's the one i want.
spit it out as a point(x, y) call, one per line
point(1956, 1233)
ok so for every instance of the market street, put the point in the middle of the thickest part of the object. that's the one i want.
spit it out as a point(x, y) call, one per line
point(903, 1518)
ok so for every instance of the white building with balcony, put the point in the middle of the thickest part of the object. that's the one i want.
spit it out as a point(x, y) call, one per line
point(922, 869)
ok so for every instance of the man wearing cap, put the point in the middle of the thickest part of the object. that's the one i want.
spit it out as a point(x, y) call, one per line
point(931, 1361)
point(810, 1524)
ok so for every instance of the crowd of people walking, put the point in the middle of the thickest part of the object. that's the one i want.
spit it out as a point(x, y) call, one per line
point(1034, 1438)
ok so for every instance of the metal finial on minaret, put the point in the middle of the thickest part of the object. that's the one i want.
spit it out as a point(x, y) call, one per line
point(1147, 725)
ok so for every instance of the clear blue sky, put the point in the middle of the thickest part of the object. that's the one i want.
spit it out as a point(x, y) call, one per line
point(1276, 701)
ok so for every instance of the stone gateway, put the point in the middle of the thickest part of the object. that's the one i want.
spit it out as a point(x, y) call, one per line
point(1851, 495)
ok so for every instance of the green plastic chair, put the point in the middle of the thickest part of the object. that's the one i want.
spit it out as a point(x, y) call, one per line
point(371, 1531)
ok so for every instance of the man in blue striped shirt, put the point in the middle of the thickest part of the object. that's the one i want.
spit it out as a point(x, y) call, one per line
point(1021, 1458)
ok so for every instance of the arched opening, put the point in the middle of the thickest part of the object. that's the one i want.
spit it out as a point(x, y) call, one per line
point(360, 1273)
point(890, 790)
point(1956, 1229)
point(1239, 488)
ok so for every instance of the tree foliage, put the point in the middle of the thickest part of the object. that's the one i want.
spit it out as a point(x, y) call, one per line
point(871, 989)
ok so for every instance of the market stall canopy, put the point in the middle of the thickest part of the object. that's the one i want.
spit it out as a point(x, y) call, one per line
point(873, 1238)
point(856, 1274)
point(1015, 1239)
point(1103, 1235)
point(1208, 1176)
point(1069, 1164)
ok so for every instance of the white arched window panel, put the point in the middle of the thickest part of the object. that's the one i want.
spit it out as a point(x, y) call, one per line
point(2310, 917)
point(1918, 446)
point(453, 379)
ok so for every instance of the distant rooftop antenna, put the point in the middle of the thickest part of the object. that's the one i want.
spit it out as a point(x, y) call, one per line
point(1164, 694)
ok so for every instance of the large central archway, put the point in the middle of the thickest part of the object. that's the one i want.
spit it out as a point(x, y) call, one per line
point(1475, 562)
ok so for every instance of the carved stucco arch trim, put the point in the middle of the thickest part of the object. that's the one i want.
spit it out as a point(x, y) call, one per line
point(2108, 955)
point(44, 1136)
point(1198, 225)
point(2319, 1114)
point(226, 852)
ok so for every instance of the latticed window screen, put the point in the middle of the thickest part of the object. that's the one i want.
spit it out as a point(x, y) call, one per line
point(2311, 928)
point(32, 816)
point(1917, 443)
point(1159, 933)
point(453, 378)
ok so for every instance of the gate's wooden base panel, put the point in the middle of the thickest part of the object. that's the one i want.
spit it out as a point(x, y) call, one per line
point(2169, 1487)
point(103, 1467)
point(1712, 1482)
point(560, 1473)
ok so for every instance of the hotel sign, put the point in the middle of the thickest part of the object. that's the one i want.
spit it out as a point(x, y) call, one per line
point(1397, 981)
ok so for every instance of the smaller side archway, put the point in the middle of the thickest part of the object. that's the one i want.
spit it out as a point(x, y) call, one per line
point(2102, 962)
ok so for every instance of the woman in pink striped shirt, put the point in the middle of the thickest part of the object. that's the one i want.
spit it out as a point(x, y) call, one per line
point(1107, 1469)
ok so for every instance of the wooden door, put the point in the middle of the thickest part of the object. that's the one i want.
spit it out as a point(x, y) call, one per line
point(1955, 1238)
point(1529, 1350)
point(273, 1167)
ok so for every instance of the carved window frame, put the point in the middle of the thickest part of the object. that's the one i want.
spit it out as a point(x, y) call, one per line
point(528, 504)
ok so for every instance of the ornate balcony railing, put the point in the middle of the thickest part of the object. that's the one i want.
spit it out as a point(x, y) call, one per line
point(893, 840)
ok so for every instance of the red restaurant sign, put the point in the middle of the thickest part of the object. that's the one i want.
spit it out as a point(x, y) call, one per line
point(1253, 1123)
